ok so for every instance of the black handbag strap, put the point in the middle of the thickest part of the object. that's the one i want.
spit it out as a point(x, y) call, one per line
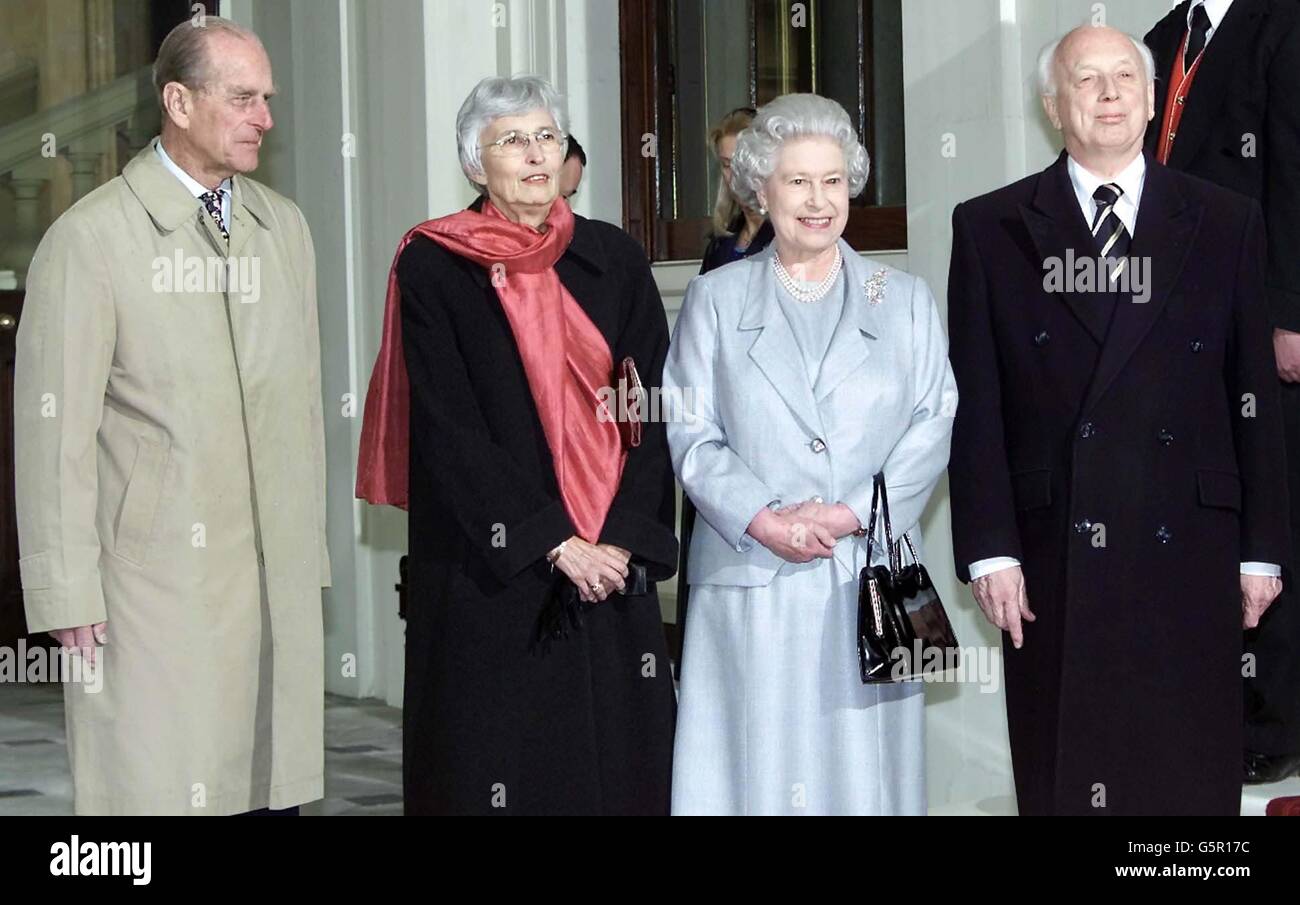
point(881, 496)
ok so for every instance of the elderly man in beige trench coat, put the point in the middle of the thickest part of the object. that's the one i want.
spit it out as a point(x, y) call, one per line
point(170, 459)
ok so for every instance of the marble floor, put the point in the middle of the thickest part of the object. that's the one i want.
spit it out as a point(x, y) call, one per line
point(363, 760)
point(363, 755)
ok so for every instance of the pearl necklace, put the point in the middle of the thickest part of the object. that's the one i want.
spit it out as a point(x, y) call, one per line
point(814, 293)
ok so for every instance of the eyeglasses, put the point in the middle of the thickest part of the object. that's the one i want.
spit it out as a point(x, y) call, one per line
point(515, 143)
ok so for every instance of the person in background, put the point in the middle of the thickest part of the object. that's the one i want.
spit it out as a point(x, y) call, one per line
point(738, 230)
point(575, 162)
point(1228, 110)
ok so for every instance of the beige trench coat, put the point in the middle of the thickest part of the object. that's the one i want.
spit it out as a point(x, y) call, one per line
point(171, 480)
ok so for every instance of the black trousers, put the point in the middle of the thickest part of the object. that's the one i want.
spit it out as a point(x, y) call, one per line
point(1273, 694)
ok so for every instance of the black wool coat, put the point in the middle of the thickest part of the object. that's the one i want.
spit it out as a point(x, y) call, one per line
point(494, 721)
point(1131, 467)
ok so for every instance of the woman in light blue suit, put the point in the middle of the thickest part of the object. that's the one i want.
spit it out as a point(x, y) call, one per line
point(802, 372)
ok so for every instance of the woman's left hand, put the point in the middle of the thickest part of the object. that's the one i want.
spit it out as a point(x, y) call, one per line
point(837, 518)
point(622, 554)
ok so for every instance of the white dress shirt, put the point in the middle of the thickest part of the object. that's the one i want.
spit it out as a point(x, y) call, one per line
point(196, 188)
point(1130, 179)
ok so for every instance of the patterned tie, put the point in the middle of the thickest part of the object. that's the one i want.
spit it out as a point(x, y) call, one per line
point(1196, 36)
point(1108, 229)
point(212, 202)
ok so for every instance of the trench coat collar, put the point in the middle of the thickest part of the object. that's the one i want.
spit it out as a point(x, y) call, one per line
point(776, 351)
point(171, 205)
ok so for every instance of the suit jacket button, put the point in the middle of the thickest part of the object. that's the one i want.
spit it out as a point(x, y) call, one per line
point(1082, 527)
point(818, 445)
point(1087, 429)
point(1165, 437)
point(1163, 534)
point(1196, 345)
point(1042, 339)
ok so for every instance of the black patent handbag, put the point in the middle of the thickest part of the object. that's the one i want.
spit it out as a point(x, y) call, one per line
point(903, 630)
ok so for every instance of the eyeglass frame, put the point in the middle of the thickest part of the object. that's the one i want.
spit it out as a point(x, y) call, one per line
point(529, 138)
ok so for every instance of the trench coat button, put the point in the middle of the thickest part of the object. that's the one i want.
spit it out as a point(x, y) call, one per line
point(1082, 527)
point(1196, 345)
point(1165, 437)
point(1042, 339)
point(1163, 534)
point(1087, 429)
point(818, 445)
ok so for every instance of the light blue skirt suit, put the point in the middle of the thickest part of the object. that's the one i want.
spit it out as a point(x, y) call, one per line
point(772, 716)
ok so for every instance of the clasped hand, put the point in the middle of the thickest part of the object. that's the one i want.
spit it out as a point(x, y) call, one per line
point(803, 531)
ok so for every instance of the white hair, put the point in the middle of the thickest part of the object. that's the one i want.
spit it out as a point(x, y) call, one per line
point(494, 98)
point(1046, 75)
point(794, 116)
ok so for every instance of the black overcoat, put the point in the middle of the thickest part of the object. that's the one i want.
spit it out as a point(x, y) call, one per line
point(491, 717)
point(1131, 467)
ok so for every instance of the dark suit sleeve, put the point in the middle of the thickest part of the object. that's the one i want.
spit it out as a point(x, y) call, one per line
point(480, 481)
point(983, 511)
point(1251, 369)
point(641, 517)
point(1282, 183)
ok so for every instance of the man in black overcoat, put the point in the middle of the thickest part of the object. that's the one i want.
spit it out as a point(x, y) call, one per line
point(1228, 110)
point(1117, 470)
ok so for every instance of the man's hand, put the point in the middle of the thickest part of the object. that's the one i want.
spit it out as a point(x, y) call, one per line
point(1001, 595)
point(83, 638)
point(792, 537)
point(1257, 592)
point(838, 518)
point(1286, 349)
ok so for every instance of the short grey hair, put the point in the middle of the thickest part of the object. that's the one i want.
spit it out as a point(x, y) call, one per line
point(794, 116)
point(1046, 73)
point(493, 98)
point(183, 55)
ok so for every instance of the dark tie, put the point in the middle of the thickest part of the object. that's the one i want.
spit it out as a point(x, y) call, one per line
point(1108, 229)
point(1196, 36)
point(212, 202)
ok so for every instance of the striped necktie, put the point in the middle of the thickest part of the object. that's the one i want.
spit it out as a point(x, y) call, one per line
point(1108, 229)
point(212, 202)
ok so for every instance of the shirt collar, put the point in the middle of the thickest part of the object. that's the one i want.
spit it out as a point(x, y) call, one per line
point(195, 187)
point(1214, 9)
point(1130, 179)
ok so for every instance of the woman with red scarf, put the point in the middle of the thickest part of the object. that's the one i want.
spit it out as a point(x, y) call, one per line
point(541, 511)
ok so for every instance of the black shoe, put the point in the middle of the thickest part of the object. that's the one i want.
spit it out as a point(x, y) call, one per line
point(1262, 768)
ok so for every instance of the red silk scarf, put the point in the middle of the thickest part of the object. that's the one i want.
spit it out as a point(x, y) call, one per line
point(566, 362)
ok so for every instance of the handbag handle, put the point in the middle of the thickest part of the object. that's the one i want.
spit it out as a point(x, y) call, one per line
point(879, 494)
point(907, 539)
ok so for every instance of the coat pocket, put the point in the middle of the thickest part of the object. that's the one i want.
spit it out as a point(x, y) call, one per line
point(1219, 489)
point(1032, 489)
point(140, 502)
